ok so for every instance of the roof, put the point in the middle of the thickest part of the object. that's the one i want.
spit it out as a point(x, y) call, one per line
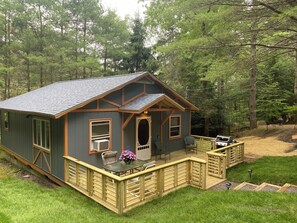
point(146, 101)
point(59, 98)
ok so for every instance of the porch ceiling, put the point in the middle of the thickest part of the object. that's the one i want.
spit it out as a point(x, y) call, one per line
point(156, 101)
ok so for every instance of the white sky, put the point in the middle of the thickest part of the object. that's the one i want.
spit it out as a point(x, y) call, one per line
point(124, 7)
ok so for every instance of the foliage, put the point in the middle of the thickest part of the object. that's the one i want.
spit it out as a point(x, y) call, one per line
point(275, 170)
point(229, 47)
point(42, 42)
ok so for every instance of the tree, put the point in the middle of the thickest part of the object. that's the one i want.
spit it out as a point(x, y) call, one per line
point(139, 56)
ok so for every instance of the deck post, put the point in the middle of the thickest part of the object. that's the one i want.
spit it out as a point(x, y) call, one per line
point(90, 181)
point(203, 175)
point(120, 197)
point(224, 166)
point(66, 170)
point(160, 181)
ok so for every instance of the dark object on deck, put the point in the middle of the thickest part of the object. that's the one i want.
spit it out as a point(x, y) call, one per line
point(222, 141)
point(191, 144)
point(160, 150)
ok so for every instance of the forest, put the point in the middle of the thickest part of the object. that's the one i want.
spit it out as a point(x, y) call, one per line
point(236, 60)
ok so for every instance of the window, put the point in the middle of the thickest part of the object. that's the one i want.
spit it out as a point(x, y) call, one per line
point(6, 120)
point(175, 126)
point(41, 133)
point(100, 135)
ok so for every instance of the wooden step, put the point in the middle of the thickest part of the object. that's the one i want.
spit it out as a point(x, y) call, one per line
point(246, 186)
point(288, 188)
point(267, 187)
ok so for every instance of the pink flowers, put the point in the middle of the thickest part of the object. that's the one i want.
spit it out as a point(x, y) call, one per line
point(127, 155)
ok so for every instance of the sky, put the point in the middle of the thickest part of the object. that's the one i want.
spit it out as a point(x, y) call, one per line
point(124, 7)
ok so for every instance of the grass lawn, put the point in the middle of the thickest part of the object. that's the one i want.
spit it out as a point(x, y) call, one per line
point(25, 201)
point(272, 169)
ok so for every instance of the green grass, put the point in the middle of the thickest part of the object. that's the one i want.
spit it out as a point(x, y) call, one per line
point(26, 201)
point(275, 170)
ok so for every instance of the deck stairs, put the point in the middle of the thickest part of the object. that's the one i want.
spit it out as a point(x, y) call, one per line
point(288, 188)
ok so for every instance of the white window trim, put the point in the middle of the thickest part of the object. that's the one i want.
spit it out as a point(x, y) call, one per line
point(48, 148)
point(6, 128)
point(109, 120)
point(180, 123)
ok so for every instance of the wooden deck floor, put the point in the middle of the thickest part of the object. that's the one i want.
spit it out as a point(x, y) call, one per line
point(210, 181)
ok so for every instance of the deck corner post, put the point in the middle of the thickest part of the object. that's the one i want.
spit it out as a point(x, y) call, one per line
point(66, 170)
point(160, 185)
point(120, 197)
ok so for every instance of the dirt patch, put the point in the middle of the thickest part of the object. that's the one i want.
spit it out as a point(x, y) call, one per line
point(8, 169)
point(276, 141)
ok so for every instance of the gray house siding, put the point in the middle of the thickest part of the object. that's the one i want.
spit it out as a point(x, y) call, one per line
point(18, 138)
point(115, 97)
point(78, 135)
point(132, 90)
point(57, 148)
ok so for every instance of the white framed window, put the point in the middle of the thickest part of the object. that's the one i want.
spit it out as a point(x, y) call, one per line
point(6, 120)
point(175, 126)
point(100, 135)
point(41, 133)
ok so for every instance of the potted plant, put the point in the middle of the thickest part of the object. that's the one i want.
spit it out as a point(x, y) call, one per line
point(127, 156)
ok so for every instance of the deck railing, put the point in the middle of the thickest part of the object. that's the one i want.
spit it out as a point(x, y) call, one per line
point(121, 194)
point(219, 160)
point(204, 143)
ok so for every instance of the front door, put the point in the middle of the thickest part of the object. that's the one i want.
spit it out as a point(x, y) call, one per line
point(143, 137)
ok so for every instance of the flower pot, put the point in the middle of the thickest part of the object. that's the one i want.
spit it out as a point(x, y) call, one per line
point(127, 161)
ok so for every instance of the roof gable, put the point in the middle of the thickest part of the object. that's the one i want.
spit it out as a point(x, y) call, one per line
point(60, 98)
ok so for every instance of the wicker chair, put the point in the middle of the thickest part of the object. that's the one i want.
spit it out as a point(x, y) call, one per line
point(161, 150)
point(191, 144)
point(109, 157)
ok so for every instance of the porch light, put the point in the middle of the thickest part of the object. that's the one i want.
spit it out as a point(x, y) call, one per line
point(250, 171)
point(228, 185)
point(145, 112)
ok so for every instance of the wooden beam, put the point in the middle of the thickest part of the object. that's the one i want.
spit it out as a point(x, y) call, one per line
point(166, 118)
point(133, 98)
point(38, 154)
point(159, 109)
point(127, 121)
point(124, 124)
point(66, 135)
point(163, 122)
point(97, 110)
point(110, 102)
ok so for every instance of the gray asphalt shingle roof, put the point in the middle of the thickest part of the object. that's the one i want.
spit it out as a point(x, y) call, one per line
point(139, 104)
point(59, 97)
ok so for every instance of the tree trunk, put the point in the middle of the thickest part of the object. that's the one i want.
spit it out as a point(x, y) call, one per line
point(253, 79)
point(295, 85)
point(28, 73)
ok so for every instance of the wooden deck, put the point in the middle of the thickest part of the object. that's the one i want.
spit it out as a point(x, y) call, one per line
point(177, 155)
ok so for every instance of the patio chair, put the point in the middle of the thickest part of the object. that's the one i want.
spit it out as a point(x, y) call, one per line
point(109, 157)
point(191, 144)
point(149, 165)
point(161, 150)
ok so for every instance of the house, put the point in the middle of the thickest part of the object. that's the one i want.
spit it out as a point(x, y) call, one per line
point(82, 118)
